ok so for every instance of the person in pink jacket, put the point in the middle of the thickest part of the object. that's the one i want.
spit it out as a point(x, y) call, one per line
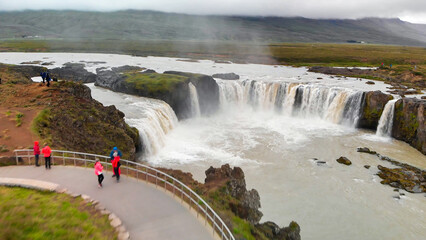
point(98, 172)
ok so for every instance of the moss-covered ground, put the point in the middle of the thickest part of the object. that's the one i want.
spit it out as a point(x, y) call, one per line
point(39, 215)
point(154, 83)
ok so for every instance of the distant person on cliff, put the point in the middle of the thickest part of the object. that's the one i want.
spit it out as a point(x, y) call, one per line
point(36, 153)
point(46, 152)
point(43, 76)
point(111, 155)
point(116, 165)
point(98, 171)
point(48, 79)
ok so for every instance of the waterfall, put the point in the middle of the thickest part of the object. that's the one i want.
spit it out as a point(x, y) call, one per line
point(338, 105)
point(384, 128)
point(153, 118)
point(195, 105)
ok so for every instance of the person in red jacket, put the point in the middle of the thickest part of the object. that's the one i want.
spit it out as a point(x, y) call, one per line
point(98, 172)
point(36, 153)
point(46, 152)
point(116, 165)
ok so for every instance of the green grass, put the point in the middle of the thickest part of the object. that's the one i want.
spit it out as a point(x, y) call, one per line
point(18, 119)
point(154, 82)
point(40, 125)
point(31, 214)
point(242, 228)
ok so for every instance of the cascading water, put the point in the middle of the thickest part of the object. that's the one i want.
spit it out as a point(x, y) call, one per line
point(384, 128)
point(153, 118)
point(338, 105)
point(195, 105)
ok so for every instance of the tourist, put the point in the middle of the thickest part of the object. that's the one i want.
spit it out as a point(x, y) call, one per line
point(116, 165)
point(0, 80)
point(46, 152)
point(36, 153)
point(111, 155)
point(43, 76)
point(98, 172)
point(48, 79)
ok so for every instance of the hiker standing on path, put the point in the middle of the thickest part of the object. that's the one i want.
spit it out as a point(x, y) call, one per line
point(116, 165)
point(48, 79)
point(111, 156)
point(98, 172)
point(46, 151)
point(43, 76)
point(36, 153)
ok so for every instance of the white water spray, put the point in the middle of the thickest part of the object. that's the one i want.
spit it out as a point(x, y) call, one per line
point(384, 128)
point(195, 105)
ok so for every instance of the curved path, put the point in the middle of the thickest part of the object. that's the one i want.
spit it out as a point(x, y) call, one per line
point(147, 212)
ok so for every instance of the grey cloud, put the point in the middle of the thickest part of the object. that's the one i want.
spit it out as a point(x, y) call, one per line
point(414, 10)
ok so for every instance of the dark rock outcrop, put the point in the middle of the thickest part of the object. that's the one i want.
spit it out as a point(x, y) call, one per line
point(207, 90)
point(226, 76)
point(249, 201)
point(344, 160)
point(177, 97)
point(409, 178)
point(372, 107)
point(409, 123)
point(365, 150)
point(73, 72)
point(273, 232)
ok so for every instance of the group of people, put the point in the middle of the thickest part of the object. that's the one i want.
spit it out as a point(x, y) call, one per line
point(45, 76)
point(115, 157)
point(46, 151)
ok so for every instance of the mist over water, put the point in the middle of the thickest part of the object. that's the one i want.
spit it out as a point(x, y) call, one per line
point(272, 123)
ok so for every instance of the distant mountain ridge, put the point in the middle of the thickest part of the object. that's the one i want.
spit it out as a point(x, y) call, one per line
point(149, 25)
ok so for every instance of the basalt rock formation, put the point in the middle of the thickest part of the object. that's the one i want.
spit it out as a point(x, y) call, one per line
point(409, 122)
point(372, 108)
point(226, 76)
point(73, 72)
point(207, 90)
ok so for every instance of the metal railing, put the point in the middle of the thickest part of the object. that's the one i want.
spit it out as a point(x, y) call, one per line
point(140, 172)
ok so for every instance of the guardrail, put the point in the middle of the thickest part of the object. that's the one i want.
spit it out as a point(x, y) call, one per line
point(140, 172)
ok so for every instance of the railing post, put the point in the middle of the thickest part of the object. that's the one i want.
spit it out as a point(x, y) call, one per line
point(146, 174)
point(206, 216)
point(63, 157)
point(85, 162)
point(29, 159)
point(156, 178)
point(74, 159)
point(127, 167)
point(137, 174)
point(190, 200)
point(16, 154)
point(213, 223)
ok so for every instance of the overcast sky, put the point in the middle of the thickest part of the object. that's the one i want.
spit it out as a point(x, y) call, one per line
point(408, 10)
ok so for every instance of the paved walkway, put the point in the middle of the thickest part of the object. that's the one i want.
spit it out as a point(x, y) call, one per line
point(148, 213)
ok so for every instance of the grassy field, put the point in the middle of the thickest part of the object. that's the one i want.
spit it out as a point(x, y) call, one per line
point(31, 214)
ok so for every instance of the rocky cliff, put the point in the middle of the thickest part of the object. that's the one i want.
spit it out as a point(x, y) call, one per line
point(372, 107)
point(409, 122)
point(171, 87)
point(207, 90)
point(72, 120)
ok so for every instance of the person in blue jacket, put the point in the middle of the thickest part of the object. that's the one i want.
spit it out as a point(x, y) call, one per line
point(43, 76)
point(111, 155)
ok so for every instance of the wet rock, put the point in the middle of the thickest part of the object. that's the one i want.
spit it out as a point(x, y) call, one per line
point(370, 82)
point(73, 72)
point(409, 122)
point(407, 177)
point(365, 150)
point(372, 107)
point(321, 163)
point(367, 166)
point(226, 76)
point(274, 232)
point(344, 160)
point(149, 71)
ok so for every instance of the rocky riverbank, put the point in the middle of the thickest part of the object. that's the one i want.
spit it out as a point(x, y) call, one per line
point(225, 190)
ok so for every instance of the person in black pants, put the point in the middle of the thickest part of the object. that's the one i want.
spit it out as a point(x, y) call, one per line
point(46, 152)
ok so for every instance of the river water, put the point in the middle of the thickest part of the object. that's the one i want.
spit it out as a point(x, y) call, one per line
point(276, 148)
